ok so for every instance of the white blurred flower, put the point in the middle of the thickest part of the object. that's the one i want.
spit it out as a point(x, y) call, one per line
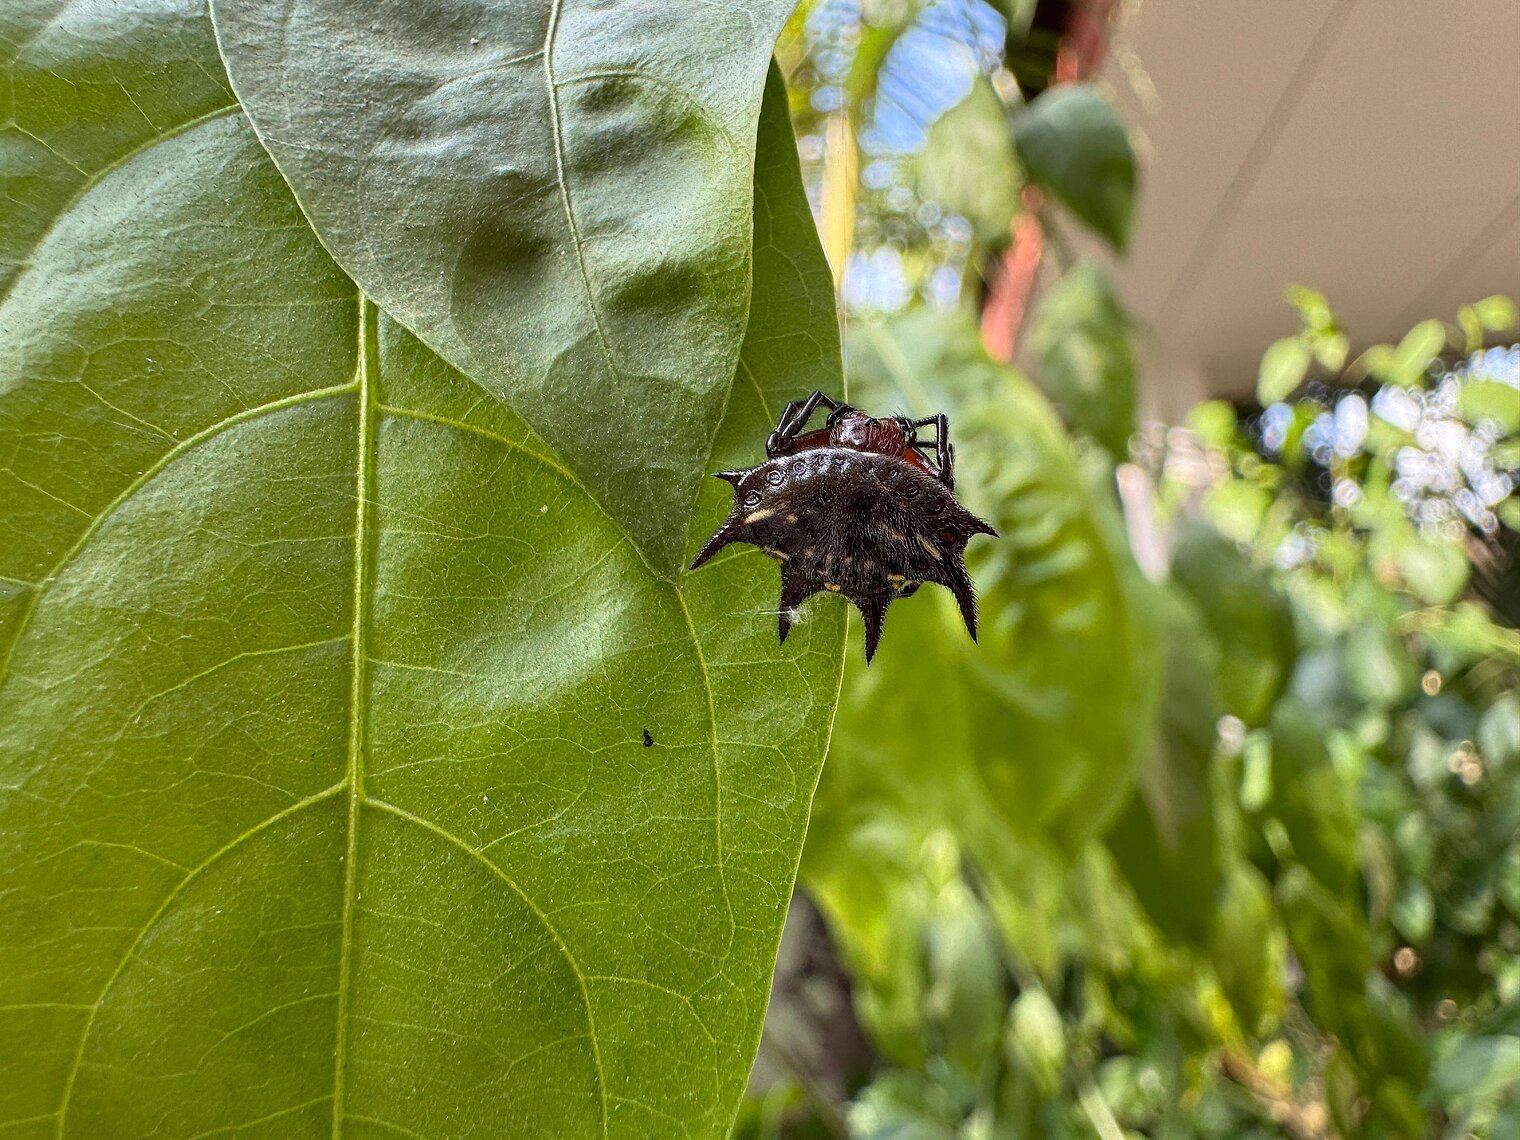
point(1350, 426)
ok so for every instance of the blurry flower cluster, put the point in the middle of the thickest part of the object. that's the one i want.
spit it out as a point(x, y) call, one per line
point(1453, 469)
point(1448, 468)
point(1406, 458)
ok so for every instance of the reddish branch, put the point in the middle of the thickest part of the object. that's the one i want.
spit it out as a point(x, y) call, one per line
point(1083, 44)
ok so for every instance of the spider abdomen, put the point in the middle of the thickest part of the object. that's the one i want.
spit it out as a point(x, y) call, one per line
point(869, 526)
point(844, 518)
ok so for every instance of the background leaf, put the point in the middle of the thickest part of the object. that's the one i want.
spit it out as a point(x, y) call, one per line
point(1405, 365)
point(322, 724)
point(967, 166)
point(1074, 145)
point(1079, 338)
point(1497, 313)
point(1246, 616)
point(1165, 841)
point(1313, 803)
point(1492, 400)
point(991, 743)
point(1415, 352)
point(554, 195)
point(1282, 369)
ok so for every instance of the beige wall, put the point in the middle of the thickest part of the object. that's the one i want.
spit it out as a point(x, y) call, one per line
point(1367, 148)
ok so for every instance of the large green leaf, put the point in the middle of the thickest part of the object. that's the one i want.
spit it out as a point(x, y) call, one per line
point(553, 194)
point(326, 803)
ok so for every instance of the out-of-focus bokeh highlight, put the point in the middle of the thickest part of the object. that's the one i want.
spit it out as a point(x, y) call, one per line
point(1216, 834)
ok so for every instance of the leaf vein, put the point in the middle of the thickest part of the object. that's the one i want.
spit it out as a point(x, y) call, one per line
point(94, 1008)
point(93, 180)
point(368, 353)
point(396, 1128)
point(271, 651)
point(556, 130)
point(132, 488)
point(543, 918)
point(712, 722)
point(230, 1129)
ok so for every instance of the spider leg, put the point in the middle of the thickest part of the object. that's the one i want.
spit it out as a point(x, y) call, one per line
point(795, 417)
point(944, 454)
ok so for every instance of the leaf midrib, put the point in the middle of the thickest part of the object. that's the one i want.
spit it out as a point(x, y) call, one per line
point(354, 778)
point(368, 409)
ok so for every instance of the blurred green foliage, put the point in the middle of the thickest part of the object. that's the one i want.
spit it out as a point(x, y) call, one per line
point(1228, 853)
point(951, 110)
point(1075, 146)
point(1214, 835)
point(1079, 339)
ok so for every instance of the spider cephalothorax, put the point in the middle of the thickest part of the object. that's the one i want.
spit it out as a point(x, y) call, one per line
point(857, 508)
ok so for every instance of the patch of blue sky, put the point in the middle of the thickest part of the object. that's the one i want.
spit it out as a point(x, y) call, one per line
point(929, 70)
point(874, 281)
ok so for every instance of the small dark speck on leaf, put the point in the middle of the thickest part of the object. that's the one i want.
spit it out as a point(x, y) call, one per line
point(648, 740)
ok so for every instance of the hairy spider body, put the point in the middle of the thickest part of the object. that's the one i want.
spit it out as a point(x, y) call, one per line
point(856, 508)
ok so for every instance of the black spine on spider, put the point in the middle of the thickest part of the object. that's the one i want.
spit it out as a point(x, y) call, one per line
point(860, 507)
